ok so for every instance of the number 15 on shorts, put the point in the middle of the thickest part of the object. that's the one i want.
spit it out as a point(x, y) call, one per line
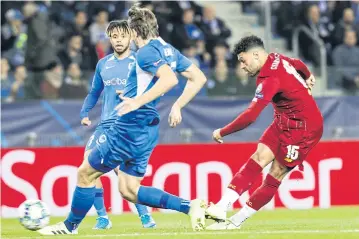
point(292, 153)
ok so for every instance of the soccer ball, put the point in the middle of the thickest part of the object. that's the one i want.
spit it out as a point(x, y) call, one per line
point(34, 214)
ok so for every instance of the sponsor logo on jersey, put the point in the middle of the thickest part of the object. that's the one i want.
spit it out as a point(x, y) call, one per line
point(259, 93)
point(115, 81)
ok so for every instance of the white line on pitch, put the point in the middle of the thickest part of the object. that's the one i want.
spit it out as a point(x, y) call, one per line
point(199, 233)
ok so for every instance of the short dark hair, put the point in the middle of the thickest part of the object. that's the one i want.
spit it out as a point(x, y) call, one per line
point(121, 24)
point(80, 11)
point(190, 44)
point(101, 9)
point(75, 34)
point(350, 29)
point(246, 43)
point(143, 22)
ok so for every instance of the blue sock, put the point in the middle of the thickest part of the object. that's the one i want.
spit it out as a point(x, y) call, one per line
point(99, 202)
point(141, 209)
point(157, 198)
point(82, 202)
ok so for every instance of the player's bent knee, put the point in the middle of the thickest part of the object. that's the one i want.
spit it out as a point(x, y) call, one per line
point(128, 194)
point(129, 190)
point(261, 158)
point(128, 186)
point(133, 190)
point(123, 188)
point(263, 155)
point(125, 194)
point(279, 175)
point(86, 175)
point(278, 171)
point(83, 177)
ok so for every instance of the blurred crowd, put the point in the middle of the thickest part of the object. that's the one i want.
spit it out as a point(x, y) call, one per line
point(50, 49)
point(335, 23)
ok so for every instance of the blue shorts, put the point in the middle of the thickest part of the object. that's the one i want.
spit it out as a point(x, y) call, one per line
point(128, 144)
point(91, 143)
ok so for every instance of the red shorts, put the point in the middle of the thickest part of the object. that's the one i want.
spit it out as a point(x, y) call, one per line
point(291, 146)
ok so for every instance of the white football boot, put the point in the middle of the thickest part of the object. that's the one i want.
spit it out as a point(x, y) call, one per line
point(226, 225)
point(57, 229)
point(216, 213)
point(197, 214)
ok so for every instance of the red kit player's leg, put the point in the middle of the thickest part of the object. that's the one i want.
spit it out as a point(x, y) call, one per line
point(245, 177)
point(292, 149)
point(262, 195)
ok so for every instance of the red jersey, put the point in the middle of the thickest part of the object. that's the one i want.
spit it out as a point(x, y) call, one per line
point(280, 83)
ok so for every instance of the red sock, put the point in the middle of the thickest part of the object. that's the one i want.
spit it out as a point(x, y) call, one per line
point(244, 179)
point(264, 193)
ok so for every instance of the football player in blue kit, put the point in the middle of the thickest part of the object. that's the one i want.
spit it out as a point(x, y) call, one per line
point(110, 77)
point(130, 140)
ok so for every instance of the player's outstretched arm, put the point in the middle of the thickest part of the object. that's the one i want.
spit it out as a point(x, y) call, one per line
point(245, 119)
point(166, 81)
point(264, 94)
point(196, 80)
point(92, 97)
point(241, 122)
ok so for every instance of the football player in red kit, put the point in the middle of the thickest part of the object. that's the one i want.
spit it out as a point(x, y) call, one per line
point(297, 127)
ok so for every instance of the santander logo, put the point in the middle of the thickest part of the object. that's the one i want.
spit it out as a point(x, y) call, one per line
point(193, 180)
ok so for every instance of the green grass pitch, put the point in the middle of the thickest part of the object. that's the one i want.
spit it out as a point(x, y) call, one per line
point(334, 223)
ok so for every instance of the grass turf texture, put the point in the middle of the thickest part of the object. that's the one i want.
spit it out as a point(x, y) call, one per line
point(334, 223)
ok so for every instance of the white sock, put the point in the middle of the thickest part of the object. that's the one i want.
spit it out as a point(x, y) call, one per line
point(230, 196)
point(243, 214)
